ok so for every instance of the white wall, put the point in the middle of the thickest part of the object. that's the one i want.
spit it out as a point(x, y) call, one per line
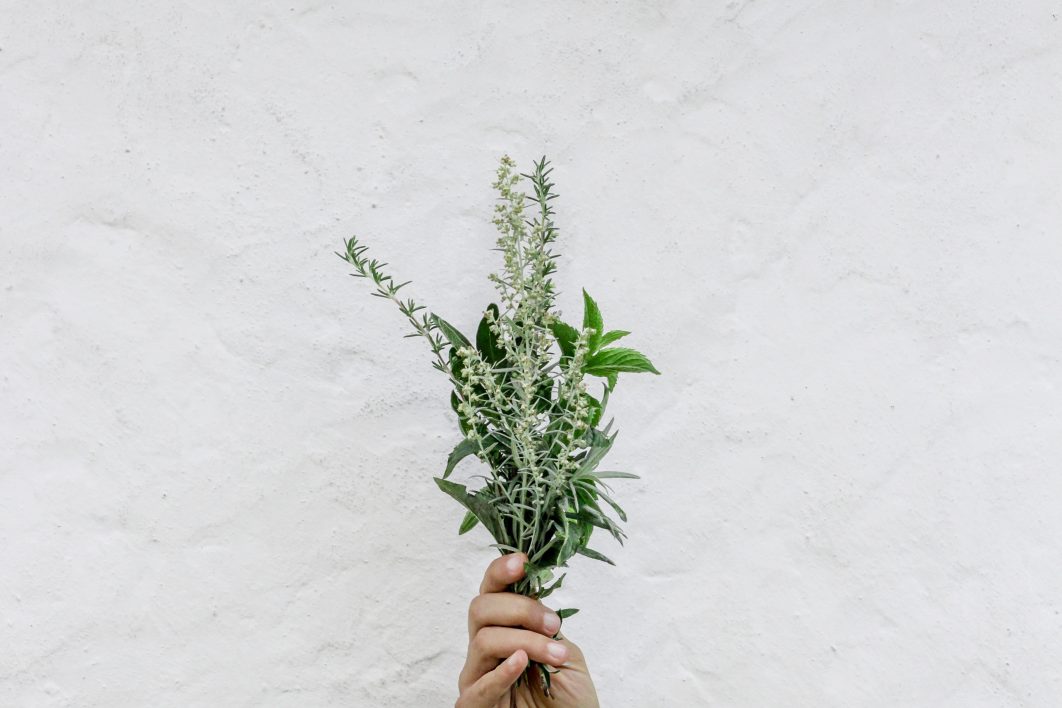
point(834, 227)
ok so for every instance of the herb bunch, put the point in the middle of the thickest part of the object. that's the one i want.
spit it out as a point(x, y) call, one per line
point(521, 398)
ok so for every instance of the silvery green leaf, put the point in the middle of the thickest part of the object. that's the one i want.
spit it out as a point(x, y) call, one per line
point(591, 553)
point(455, 338)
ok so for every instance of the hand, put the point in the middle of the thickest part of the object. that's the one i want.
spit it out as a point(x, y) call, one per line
point(509, 628)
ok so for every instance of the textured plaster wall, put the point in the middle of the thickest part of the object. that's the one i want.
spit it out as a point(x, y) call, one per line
point(834, 226)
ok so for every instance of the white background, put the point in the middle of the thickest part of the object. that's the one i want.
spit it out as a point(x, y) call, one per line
point(834, 227)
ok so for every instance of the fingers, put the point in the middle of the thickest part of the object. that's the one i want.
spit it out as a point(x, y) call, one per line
point(492, 686)
point(506, 609)
point(503, 572)
point(493, 643)
point(575, 654)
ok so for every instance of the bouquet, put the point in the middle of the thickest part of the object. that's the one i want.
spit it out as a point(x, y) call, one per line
point(521, 397)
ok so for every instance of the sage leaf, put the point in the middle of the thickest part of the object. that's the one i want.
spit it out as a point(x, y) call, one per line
point(591, 553)
point(464, 448)
point(455, 338)
point(484, 511)
point(468, 523)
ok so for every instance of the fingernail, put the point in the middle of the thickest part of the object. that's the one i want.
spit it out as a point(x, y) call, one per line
point(551, 622)
point(557, 651)
point(515, 563)
point(514, 660)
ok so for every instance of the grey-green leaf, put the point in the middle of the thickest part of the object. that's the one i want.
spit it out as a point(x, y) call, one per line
point(591, 553)
point(464, 448)
point(615, 475)
point(468, 523)
point(455, 337)
point(599, 445)
point(479, 506)
point(567, 612)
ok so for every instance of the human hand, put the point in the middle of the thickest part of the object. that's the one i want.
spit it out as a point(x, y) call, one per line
point(510, 628)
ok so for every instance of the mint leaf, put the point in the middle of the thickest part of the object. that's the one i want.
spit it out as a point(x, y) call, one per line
point(612, 336)
point(595, 409)
point(566, 336)
point(617, 360)
point(592, 318)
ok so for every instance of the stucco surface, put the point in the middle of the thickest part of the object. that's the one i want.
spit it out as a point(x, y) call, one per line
point(834, 226)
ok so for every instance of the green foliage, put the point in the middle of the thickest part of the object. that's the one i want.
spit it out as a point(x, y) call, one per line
point(520, 397)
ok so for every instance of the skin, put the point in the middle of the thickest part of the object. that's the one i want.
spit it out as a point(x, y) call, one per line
point(504, 629)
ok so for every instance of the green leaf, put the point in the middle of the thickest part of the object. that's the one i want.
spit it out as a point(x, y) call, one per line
point(591, 553)
point(566, 336)
point(592, 318)
point(617, 360)
point(615, 475)
point(555, 585)
point(611, 337)
point(457, 364)
point(576, 533)
point(567, 612)
point(595, 409)
point(612, 380)
point(616, 507)
point(544, 395)
point(462, 422)
point(599, 445)
point(468, 523)
point(464, 448)
point(473, 502)
point(487, 341)
point(456, 338)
